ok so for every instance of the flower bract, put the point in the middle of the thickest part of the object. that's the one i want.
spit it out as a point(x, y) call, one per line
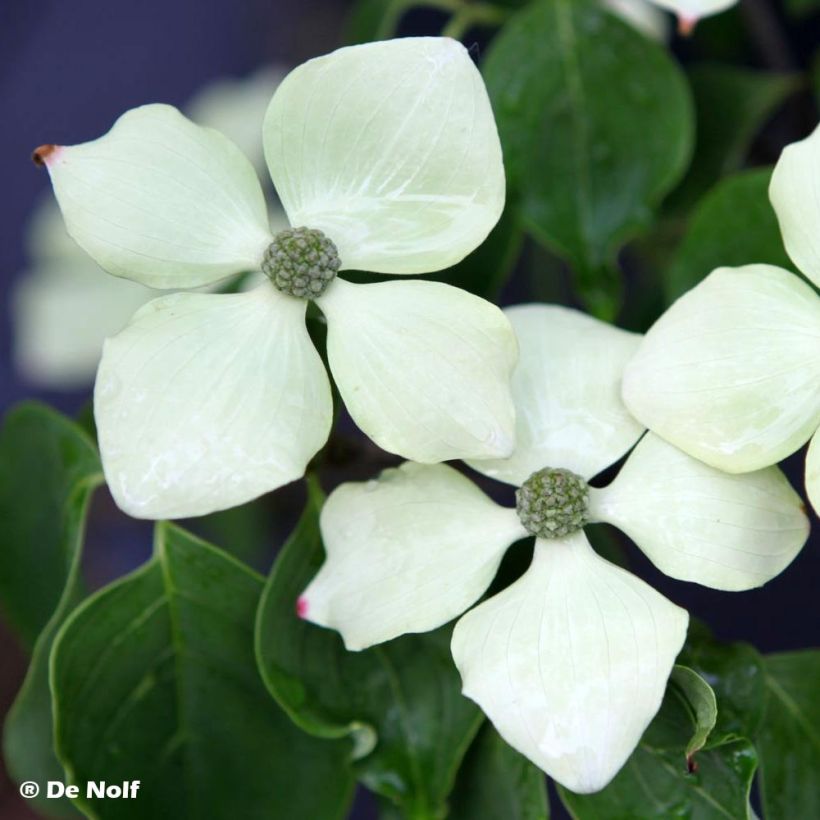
point(731, 372)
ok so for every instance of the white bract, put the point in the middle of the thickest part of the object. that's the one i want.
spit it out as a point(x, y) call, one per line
point(731, 372)
point(571, 661)
point(63, 305)
point(386, 158)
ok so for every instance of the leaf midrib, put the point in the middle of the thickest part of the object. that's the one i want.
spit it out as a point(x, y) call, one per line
point(794, 709)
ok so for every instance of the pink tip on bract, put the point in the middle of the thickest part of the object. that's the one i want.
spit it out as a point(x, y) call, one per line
point(45, 154)
point(301, 607)
point(686, 25)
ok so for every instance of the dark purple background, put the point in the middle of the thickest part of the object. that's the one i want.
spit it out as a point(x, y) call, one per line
point(69, 68)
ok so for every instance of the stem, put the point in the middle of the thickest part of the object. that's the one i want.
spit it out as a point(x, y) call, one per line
point(476, 14)
point(768, 34)
point(390, 22)
point(466, 14)
point(398, 8)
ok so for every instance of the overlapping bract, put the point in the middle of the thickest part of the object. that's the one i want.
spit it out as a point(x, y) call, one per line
point(571, 661)
point(205, 401)
point(731, 372)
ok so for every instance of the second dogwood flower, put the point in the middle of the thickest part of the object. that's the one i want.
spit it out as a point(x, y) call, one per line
point(570, 662)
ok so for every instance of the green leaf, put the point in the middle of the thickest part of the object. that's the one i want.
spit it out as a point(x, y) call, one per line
point(735, 673)
point(400, 702)
point(85, 420)
point(689, 710)
point(48, 471)
point(243, 531)
point(733, 225)
point(497, 783)
point(789, 738)
point(731, 104)
point(154, 680)
point(699, 699)
point(596, 125)
point(662, 779)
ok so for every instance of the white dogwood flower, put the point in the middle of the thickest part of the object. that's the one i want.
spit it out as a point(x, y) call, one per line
point(63, 306)
point(386, 158)
point(570, 662)
point(730, 373)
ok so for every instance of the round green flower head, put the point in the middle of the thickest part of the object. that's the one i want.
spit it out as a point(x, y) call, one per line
point(301, 262)
point(552, 503)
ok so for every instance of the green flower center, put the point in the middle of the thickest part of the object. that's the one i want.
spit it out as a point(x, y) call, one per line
point(552, 503)
point(301, 262)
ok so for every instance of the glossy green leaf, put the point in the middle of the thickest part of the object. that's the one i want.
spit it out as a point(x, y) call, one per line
point(497, 783)
point(650, 787)
point(154, 680)
point(85, 420)
point(789, 739)
point(242, 531)
point(689, 702)
point(400, 702)
point(699, 699)
point(28, 746)
point(48, 470)
point(732, 104)
point(596, 125)
point(734, 225)
point(665, 777)
point(735, 673)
